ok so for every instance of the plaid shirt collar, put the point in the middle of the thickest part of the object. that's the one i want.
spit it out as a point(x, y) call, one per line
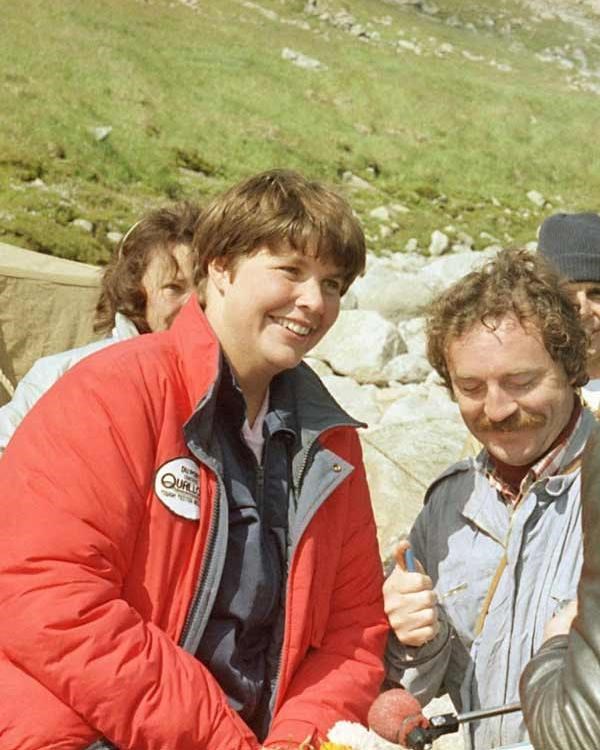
point(548, 465)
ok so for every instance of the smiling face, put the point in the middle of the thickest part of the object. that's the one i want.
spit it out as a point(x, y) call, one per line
point(270, 308)
point(511, 394)
point(167, 282)
point(586, 295)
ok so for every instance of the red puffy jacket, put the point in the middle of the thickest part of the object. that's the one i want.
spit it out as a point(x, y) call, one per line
point(97, 575)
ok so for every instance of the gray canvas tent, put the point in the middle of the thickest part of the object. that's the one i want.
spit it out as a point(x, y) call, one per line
point(46, 306)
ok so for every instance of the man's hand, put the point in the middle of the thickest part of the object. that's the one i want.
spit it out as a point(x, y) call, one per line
point(560, 624)
point(410, 602)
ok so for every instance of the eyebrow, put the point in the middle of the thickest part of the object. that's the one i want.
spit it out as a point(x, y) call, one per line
point(513, 374)
point(298, 255)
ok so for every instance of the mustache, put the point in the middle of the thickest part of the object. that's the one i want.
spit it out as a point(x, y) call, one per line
point(517, 421)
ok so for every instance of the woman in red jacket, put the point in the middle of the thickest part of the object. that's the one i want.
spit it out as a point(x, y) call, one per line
point(188, 554)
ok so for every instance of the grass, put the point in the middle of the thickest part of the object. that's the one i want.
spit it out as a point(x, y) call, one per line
point(199, 98)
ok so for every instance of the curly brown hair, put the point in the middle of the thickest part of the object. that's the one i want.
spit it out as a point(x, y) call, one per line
point(121, 287)
point(514, 282)
point(275, 207)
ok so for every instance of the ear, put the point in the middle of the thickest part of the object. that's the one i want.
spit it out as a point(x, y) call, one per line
point(219, 274)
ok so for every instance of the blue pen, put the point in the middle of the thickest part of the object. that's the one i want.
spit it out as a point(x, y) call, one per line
point(409, 561)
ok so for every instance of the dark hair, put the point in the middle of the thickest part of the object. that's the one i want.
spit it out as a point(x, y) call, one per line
point(275, 207)
point(121, 288)
point(514, 282)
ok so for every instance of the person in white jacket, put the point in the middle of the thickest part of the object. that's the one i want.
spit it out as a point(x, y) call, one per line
point(143, 287)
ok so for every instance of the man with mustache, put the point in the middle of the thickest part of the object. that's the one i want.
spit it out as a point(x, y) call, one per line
point(498, 542)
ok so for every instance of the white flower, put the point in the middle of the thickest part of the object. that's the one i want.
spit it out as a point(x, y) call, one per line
point(358, 737)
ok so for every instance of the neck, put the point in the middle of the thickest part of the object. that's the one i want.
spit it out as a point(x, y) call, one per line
point(254, 398)
point(252, 385)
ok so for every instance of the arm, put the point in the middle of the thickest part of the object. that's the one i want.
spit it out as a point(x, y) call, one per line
point(340, 677)
point(419, 646)
point(560, 687)
point(29, 389)
point(73, 495)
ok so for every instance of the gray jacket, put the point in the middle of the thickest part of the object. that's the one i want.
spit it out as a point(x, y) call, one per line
point(463, 536)
point(560, 688)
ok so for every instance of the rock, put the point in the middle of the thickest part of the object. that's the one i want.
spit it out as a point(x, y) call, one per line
point(489, 237)
point(410, 367)
point(442, 272)
point(536, 198)
point(407, 262)
point(360, 344)
point(349, 301)
point(445, 48)
point(417, 401)
point(381, 213)
point(495, 248)
point(412, 245)
point(356, 182)
point(270, 14)
point(430, 9)
point(406, 44)
point(101, 132)
point(37, 183)
point(84, 224)
point(458, 247)
point(321, 368)
point(401, 462)
point(471, 57)
point(302, 61)
point(392, 293)
point(114, 237)
point(439, 243)
point(465, 239)
point(413, 335)
point(388, 395)
point(360, 401)
point(502, 67)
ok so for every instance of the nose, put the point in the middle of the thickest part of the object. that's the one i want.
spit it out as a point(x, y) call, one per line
point(585, 309)
point(498, 404)
point(589, 311)
point(311, 296)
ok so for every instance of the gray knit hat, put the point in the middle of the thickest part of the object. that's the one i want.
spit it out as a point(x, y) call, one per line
point(571, 242)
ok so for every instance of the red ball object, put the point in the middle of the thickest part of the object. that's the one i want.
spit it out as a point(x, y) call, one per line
point(394, 714)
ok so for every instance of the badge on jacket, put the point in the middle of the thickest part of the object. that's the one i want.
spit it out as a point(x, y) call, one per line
point(176, 486)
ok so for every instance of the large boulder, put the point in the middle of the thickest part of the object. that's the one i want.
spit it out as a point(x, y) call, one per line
point(393, 293)
point(421, 401)
point(360, 344)
point(401, 461)
point(444, 271)
point(413, 334)
point(407, 368)
point(360, 401)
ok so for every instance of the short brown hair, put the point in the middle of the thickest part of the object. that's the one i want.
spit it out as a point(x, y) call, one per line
point(514, 282)
point(275, 207)
point(121, 286)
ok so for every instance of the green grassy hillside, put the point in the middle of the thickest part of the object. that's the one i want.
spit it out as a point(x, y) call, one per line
point(454, 110)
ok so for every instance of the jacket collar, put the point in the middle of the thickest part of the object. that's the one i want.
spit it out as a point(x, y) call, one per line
point(198, 350)
point(123, 328)
point(201, 358)
point(478, 508)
